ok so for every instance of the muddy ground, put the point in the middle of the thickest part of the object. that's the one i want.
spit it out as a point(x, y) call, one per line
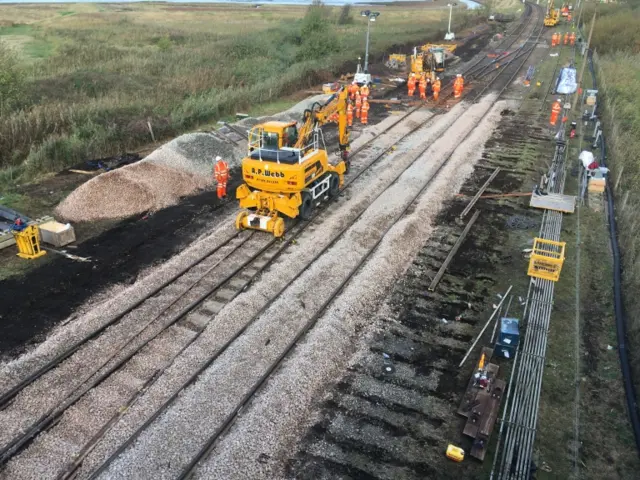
point(44, 296)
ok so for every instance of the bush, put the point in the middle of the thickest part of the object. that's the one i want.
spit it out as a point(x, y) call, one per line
point(345, 17)
point(11, 81)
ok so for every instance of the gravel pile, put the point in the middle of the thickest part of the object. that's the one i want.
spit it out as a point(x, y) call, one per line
point(177, 169)
point(136, 188)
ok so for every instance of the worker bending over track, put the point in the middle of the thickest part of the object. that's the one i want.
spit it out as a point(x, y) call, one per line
point(222, 177)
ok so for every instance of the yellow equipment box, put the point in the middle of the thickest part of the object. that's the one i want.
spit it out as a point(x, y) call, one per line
point(28, 241)
point(547, 259)
point(455, 453)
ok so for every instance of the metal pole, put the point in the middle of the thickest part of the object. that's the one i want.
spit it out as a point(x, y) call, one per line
point(366, 51)
point(584, 62)
point(450, 12)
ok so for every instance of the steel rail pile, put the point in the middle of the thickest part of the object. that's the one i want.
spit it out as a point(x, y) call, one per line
point(519, 429)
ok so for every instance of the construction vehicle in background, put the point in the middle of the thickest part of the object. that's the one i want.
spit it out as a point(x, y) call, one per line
point(552, 17)
point(429, 58)
point(287, 170)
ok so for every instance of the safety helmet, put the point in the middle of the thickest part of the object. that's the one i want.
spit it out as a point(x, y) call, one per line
point(218, 158)
point(559, 100)
point(437, 78)
point(458, 75)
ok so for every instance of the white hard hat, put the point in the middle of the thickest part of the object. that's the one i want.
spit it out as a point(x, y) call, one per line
point(437, 78)
point(559, 100)
point(458, 75)
point(218, 158)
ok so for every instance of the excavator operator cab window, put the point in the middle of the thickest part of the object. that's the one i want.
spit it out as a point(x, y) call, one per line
point(269, 141)
point(290, 136)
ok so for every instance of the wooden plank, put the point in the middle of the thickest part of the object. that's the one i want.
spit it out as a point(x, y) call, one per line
point(488, 422)
point(554, 201)
point(479, 192)
point(453, 251)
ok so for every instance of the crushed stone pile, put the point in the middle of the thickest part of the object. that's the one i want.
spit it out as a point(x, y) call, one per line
point(177, 169)
point(143, 186)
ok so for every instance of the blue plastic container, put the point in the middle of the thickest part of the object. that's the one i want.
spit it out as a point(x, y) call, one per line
point(509, 332)
point(505, 351)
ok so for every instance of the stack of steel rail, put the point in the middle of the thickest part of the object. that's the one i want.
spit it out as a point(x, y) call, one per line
point(513, 457)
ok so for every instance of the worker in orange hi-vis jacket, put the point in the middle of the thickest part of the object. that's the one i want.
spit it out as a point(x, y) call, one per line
point(458, 86)
point(437, 85)
point(364, 115)
point(358, 104)
point(572, 39)
point(566, 38)
point(556, 110)
point(423, 86)
point(353, 88)
point(350, 114)
point(364, 93)
point(221, 172)
point(411, 84)
point(554, 40)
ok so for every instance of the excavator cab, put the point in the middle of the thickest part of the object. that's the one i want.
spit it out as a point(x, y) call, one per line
point(287, 170)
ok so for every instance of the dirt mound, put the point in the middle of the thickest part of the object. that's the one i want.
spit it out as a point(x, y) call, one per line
point(128, 191)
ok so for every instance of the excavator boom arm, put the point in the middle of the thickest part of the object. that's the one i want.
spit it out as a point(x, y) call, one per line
point(334, 110)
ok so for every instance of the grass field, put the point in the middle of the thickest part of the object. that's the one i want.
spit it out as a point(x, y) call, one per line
point(81, 81)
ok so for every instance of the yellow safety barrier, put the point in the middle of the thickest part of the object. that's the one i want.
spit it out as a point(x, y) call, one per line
point(547, 259)
point(28, 241)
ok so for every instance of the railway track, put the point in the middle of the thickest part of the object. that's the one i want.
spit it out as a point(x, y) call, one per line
point(179, 322)
point(249, 395)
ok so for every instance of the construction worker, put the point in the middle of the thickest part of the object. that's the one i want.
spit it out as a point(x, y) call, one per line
point(436, 89)
point(358, 104)
point(556, 110)
point(18, 225)
point(411, 84)
point(353, 88)
point(364, 114)
point(572, 39)
point(364, 93)
point(569, 18)
point(566, 38)
point(458, 86)
point(349, 114)
point(423, 86)
point(222, 176)
point(554, 39)
point(429, 87)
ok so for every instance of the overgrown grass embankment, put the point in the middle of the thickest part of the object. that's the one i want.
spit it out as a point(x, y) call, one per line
point(85, 83)
point(616, 39)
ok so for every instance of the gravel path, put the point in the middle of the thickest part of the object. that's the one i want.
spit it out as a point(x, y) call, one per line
point(202, 407)
point(263, 439)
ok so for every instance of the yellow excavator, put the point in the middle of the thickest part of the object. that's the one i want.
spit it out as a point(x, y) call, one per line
point(552, 16)
point(287, 169)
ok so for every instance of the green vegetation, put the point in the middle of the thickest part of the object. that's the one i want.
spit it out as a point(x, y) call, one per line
point(83, 84)
point(616, 39)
